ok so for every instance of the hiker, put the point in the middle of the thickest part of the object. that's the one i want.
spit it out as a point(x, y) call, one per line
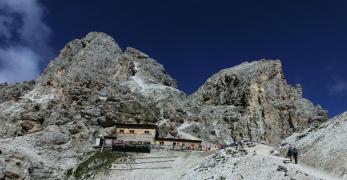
point(290, 152)
point(295, 153)
point(236, 144)
point(102, 142)
point(124, 148)
point(241, 143)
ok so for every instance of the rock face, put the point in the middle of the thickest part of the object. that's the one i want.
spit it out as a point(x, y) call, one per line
point(253, 101)
point(323, 147)
point(93, 84)
point(14, 91)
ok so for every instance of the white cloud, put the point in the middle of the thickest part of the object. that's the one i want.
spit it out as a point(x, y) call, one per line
point(338, 86)
point(22, 64)
point(24, 39)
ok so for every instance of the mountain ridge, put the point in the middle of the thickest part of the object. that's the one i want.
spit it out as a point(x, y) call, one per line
point(93, 84)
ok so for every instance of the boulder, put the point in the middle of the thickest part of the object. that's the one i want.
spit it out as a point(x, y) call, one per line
point(11, 175)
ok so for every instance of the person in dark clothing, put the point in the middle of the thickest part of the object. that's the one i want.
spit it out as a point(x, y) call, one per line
point(290, 152)
point(102, 142)
point(124, 148)
point(295, 154)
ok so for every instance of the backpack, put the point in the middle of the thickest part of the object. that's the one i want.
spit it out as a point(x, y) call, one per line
point(295, 151)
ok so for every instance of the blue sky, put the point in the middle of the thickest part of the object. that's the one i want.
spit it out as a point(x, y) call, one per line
point(193, 39)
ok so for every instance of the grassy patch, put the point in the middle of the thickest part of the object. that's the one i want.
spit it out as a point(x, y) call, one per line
point(98, 162)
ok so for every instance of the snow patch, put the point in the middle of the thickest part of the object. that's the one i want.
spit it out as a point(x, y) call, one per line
point(159, 91)
point(36, 96)
point(162, 122)
point(10, 108)
point(138, 83)
point(183, 134)
point(136, 65)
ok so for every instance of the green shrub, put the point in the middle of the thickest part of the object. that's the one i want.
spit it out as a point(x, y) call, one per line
point(98, 162)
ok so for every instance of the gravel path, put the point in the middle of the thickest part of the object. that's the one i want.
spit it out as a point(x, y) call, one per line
point(316, 173)
point(257, 164)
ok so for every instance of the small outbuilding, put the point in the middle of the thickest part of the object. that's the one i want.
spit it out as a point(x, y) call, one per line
point(106, 141)
point(178, 144)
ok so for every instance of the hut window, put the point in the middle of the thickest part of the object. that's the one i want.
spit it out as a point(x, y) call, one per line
point(132, 132)
point(121, 131)
point(146, 132)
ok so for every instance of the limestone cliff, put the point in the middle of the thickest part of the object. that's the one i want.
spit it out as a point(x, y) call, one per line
point(253, 101)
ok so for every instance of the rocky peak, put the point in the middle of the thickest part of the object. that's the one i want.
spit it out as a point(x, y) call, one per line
point(98, 58)
point(237, 81)
point(135, 54)
point(257, 103)
point(92, 58)
point(148, 69)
